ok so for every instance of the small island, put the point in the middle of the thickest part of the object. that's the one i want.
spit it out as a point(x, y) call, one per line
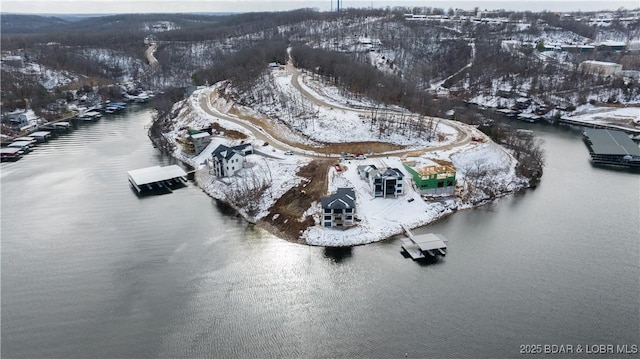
point(337, 172)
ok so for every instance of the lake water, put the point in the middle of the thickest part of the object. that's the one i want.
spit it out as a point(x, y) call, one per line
point(89, 270)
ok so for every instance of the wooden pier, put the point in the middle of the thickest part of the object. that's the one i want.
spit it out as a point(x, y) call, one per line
point(423, 246)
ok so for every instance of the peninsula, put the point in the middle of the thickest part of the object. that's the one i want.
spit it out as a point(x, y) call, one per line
point(290, 165)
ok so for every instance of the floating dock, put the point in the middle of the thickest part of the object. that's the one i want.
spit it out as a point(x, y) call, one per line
point(423, 246)
point(41, 136)
point(156, 179)
point(610, 147)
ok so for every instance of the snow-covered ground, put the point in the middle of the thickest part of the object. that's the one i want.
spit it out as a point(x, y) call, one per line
point(606, 115)
point(379, 218)
point(49, 78)
point(341, 122)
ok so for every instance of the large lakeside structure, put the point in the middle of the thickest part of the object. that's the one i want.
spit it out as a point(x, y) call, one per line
point(609, 147)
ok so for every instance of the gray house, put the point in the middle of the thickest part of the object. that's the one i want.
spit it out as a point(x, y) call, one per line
point(383, 182)
point(339, 209)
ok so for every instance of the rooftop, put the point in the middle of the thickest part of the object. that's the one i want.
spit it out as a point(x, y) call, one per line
point(343, 198)
point(610, 142)
point(154, 174)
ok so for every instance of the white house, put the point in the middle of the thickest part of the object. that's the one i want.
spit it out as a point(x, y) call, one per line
point(383, 182)
point(339, 209)
point(600, 68)
point(226, 161)
point(21, 120)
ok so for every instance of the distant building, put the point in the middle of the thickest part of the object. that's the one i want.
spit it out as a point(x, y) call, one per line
point(339, 209)
point(13, 60)
point(611, 46)
point(434, 179)
point(383, 182)
point(20, 120)
point(194, 143)
point(226, 161)
point(600, 68)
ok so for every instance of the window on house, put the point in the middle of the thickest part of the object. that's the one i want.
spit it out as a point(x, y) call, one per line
point(449, 183)
point(327, 210)
point(349, 218)
point(337, 210)
point(440, 184)
point(327, 224)
point(327, 218)
point(348, 210)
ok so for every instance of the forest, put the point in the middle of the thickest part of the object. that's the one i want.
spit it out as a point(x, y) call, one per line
point(428, 67)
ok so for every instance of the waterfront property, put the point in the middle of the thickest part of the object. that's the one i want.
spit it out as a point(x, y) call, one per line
point(610, 147)
point(156, 179)
point(226, 161)
point(194, 142)
point(339, 209)
point(20, 119)
point(433, 179)
point(383, 182)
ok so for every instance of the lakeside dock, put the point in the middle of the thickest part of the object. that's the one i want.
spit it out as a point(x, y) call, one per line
point(422, 246)
point(156, 179)
point(611, 147)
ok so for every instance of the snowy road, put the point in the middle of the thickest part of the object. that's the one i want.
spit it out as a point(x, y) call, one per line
point(285, 144)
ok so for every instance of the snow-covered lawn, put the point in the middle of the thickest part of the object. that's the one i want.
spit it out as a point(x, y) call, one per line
point(614, 115)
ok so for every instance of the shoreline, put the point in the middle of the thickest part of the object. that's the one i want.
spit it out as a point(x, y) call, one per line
point(202, 175)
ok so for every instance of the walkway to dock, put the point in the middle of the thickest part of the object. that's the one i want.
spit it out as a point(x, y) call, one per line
point(424, 245)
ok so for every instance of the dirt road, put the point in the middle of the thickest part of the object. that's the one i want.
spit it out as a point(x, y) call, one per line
point(258, 131)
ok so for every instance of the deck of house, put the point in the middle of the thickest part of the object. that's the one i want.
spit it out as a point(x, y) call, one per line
point(421, 246)
point(157, 179)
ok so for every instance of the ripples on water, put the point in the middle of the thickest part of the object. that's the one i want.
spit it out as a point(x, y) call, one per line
point(91, 270)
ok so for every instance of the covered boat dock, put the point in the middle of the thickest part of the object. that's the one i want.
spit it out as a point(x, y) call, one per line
point(41, 136)
point(611, 147)
point(157, 179)
point(423, 246)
